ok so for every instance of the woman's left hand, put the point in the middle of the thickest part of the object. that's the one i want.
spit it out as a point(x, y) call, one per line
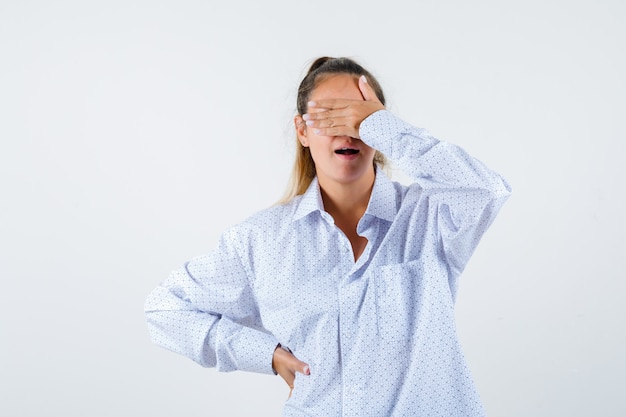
point(342, 117)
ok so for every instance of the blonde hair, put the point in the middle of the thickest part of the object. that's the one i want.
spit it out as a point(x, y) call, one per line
point(303, 170)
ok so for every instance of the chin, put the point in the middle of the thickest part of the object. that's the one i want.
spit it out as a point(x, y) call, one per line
point(354, 177)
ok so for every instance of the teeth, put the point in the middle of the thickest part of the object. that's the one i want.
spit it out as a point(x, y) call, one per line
point(347, 151)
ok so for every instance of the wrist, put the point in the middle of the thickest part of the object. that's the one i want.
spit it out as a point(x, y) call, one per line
point(279, 346)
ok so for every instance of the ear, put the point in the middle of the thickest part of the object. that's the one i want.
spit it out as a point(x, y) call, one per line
point(301, 130)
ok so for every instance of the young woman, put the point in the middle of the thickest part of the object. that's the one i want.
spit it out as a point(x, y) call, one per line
point(346, 289)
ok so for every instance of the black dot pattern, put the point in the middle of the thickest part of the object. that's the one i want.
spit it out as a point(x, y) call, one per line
point(379, 333)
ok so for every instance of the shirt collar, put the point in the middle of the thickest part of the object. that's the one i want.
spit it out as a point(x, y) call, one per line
point(383, 202)
point(311, 201)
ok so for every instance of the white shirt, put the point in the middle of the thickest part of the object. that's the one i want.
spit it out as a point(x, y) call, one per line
point(379, 333)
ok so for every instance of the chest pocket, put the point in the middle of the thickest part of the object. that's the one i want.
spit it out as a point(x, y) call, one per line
point(412, 302)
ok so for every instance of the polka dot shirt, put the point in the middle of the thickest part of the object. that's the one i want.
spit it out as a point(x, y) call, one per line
point(378, 333)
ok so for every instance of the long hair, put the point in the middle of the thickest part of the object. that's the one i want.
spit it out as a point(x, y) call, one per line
point(304, 167)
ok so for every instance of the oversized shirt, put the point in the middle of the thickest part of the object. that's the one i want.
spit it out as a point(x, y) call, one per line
point(379, 333)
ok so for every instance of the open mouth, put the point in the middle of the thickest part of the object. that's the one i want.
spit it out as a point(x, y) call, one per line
point(347, 151)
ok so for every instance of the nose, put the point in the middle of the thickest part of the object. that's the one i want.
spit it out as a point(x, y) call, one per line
point(350, 139)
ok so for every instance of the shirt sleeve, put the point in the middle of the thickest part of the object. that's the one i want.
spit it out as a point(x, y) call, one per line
point(206, 311)
point(466, 195)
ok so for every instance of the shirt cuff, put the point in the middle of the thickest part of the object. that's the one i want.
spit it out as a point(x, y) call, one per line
point(245, 349)
point(380, 128)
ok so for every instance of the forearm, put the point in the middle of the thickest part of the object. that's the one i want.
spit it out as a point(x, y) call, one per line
point(209, 339)
point(206, 311)
point(464, 196)
point(432, 163)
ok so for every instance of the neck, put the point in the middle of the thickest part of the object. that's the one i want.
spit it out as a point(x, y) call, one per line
point(347, 202)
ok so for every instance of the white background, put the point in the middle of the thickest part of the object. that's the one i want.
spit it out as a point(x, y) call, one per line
point(133, 133)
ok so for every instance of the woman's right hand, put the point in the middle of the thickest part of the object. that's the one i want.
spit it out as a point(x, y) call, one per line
point(286, 365)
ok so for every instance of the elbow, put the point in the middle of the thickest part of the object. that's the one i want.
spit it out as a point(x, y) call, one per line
point(500, 188)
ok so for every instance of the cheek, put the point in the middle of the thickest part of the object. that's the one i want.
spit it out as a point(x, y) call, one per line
point(318, 143)
point(369, 153)
point(316, 150)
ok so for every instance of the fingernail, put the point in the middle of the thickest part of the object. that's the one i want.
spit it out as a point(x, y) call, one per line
point(309, 123)
point(364, 79)
point(317, 131)
point(306, 116)
point(311, 104)
point(306, 370)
